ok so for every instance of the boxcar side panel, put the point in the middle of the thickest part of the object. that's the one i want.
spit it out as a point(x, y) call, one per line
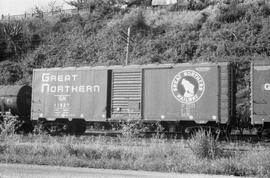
point(181, 93)
point(261, 94)
point(98, 97)
point(69, 93)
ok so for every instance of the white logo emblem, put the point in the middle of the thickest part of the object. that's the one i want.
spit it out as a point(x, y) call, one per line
point(188, 86)
point(267, 86)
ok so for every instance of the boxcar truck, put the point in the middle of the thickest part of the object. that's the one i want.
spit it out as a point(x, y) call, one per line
point(260, 97)
point(178, 96)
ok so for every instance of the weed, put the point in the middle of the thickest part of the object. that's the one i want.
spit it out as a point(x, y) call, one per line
point(39, 129)
point(132, 129)
point(8, 125)
point(204, 145)
point(138, 154)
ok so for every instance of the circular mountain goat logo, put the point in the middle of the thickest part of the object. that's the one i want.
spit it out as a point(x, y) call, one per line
point(188, 86)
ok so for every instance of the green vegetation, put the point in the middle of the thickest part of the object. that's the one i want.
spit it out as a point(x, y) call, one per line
point(190, 31)
point(137, 154)
point(199, 154)
point(8, 126)
point(204, 145)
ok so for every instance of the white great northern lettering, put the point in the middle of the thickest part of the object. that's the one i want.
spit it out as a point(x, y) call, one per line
point(47, 77)
point(45, 87)
point(56, 84)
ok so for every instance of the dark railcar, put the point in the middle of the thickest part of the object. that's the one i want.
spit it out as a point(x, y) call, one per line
point(172, 94)
point(16, 99)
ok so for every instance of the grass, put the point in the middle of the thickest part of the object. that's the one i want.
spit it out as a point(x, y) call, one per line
point(133, 153)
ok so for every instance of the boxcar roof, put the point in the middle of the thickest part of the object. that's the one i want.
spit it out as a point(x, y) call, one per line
point(133, 66)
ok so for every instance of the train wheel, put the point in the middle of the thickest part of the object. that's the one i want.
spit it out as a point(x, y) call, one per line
point(259, 133)
point(26, 127)
point(40, 128)
point(78, 126)
point(266, 134)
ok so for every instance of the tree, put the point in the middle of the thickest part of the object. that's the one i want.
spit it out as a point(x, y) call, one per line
point(14, 37)
point(53, 8)
point(38, 12)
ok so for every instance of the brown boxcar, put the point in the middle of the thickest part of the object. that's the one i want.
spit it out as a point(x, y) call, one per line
point(260, 93)
point(72, 93)
point(198, 93)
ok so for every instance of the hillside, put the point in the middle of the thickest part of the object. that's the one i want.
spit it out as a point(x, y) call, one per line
point(189, 31)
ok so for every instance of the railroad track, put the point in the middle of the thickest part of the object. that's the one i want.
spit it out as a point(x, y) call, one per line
point(250, 138)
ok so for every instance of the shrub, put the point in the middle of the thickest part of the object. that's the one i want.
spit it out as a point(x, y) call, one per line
point(133, 129)
point(15, 38)
point(199, 4)
point(231, 13)
point(136, 20)
point(192, 5)
point(10, 73)
point(8, 125)
point(204, 145)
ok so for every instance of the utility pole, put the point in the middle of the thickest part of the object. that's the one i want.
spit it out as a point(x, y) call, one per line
point(128, 40)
